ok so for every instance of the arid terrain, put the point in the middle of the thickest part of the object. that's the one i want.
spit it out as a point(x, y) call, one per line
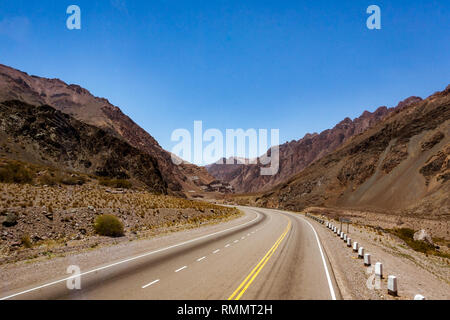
point(99, 112)
point(68, 158)
point(417, 273)
point(42, 220)
point(79, 178)
point(297, 155)
point(399, 167)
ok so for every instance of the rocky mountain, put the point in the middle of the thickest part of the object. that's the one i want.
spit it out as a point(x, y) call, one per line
point(82, 105)
point(400, 165)
point(297, 155)
point(45, 136)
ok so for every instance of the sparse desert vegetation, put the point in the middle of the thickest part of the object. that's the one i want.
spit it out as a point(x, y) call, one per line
point(407, 235)
point(108, 225)
point(56, 210)
point(15, 172)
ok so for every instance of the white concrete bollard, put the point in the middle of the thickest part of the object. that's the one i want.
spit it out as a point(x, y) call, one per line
point(355, 246)
point(345, 237)
point(349, 242)
point(338, 233)
point(361, 252)
point(392, 285)
point(379, 269)
point(342, 235)
point(419, 297)
point(367, 259)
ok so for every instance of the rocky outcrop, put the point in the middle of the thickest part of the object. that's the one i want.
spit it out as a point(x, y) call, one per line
point(46, 136)
point(423, 235)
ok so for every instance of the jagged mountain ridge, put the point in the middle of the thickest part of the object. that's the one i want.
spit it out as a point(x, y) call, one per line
point(401, 166)
point(82, 105)
point(297, 155)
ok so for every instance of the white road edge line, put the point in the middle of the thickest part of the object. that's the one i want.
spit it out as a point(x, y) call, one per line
point(151, 283)
point(200, 259)
point(127, 260)
point(182, 268)
point(216, 251)
point(330, 284)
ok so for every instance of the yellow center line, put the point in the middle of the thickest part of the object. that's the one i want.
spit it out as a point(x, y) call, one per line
point(251, 277)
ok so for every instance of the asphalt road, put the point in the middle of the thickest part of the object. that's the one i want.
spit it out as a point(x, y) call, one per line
point(276, 255)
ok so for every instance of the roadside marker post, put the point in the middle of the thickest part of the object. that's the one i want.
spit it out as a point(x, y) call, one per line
point(361, 253)
point(367, 259)
point(392, 286)
point(379, 269)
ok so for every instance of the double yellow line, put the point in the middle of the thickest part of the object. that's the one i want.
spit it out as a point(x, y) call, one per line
point(251, 277)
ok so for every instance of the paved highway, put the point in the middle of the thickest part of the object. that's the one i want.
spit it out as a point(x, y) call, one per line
point(274, 255)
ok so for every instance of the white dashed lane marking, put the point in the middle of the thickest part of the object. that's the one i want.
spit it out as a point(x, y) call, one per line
point(198, 260)
point(182, 268)
point(151, 283)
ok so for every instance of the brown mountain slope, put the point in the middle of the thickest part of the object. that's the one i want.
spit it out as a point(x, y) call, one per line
point(401, 165)
point(82, 105)
point(45, 136)
point(297, 155)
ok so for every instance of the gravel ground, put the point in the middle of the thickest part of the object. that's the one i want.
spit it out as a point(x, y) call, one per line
point(21, 274)
point(416, 273)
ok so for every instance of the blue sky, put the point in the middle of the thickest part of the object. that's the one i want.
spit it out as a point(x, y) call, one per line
point(297, 66)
